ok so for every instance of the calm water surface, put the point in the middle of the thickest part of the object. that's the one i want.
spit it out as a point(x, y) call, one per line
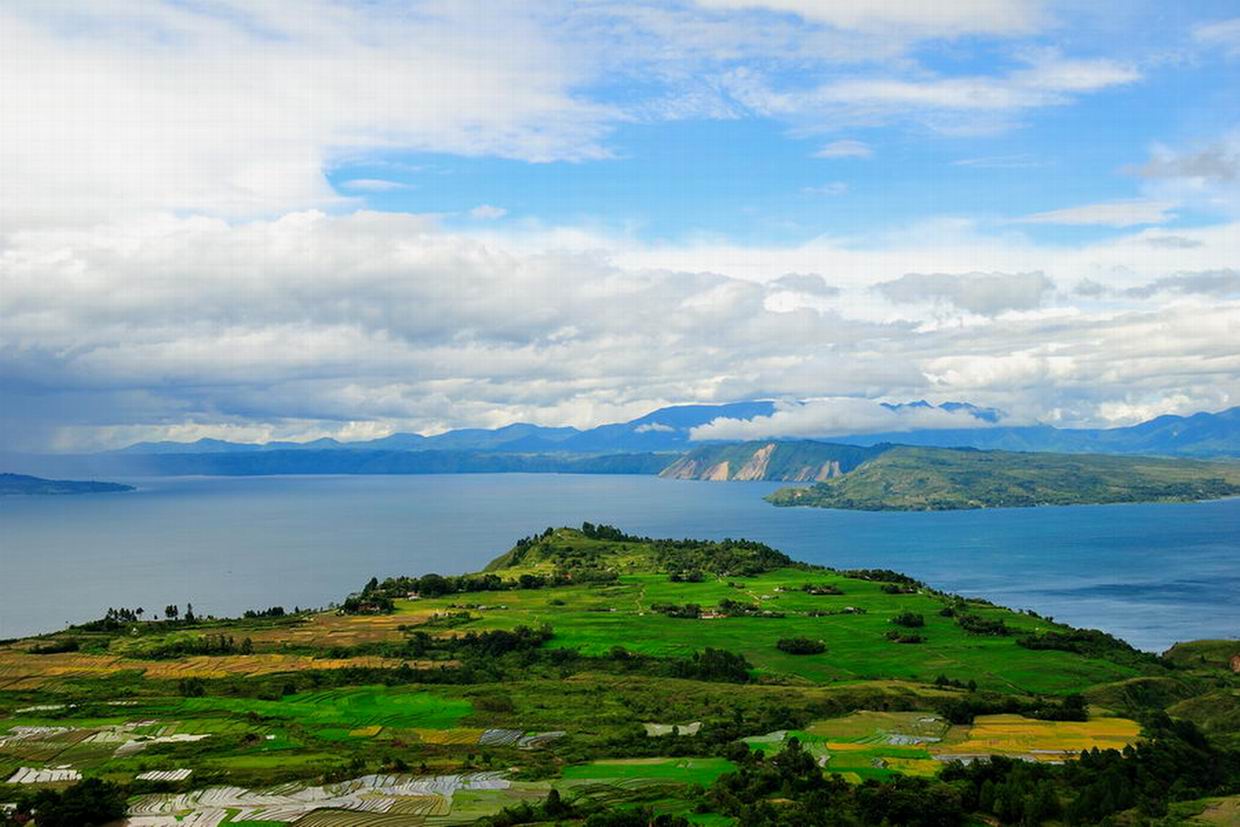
point(1152, 574)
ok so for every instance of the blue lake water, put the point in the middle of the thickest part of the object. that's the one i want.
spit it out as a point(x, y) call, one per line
point(1152, 574)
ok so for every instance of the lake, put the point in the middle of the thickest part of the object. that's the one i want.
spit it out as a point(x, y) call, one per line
point(1151, 574)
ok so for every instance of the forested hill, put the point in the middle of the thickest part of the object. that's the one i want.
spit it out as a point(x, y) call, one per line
point(13, 484)
point(795, 461)
point(907, 478)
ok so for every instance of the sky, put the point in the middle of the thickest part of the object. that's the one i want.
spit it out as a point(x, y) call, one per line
point(287, 220)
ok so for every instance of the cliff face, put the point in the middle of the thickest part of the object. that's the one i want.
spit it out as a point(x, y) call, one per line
point(799, 461)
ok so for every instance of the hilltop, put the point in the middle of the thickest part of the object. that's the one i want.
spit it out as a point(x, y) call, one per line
point(905, 478)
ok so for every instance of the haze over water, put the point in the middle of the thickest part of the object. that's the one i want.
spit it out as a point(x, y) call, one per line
point(1151, 574)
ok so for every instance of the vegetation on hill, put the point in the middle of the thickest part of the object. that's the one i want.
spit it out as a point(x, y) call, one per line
point(14, 484)
point(933, 479)
point(592, 677)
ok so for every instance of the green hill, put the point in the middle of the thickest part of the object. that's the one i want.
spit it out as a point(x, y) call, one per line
point(932, 479)
point(15, 484)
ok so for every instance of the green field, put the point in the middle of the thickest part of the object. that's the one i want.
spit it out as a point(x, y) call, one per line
point(484, 693)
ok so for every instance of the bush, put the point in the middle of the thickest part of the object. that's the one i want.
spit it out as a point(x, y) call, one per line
point(801, 646)
point(909, 620)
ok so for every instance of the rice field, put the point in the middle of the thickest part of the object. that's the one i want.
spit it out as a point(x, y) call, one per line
point(1016, 736)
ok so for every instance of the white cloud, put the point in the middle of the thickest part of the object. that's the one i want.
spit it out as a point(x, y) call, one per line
point(985, 293)
point(835, 416)
point(831, 188)
point(845, 149)
point(1222, 34)
point(1004, 17)
point(312, 325)
point(1128, 213)
point(486, 212)
point(373, 185)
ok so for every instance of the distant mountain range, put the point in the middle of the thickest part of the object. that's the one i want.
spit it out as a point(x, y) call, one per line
point(668, 430)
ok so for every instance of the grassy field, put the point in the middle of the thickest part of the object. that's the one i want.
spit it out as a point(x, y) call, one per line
point(407, 717)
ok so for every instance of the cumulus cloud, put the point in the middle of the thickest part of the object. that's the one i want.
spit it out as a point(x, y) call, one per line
point(987, 294)
point(845, 149)
point(373, 185)
point(810, 283)
point(486, 212)
point(836, 416)
point(1221, 283)
point(1108, 214)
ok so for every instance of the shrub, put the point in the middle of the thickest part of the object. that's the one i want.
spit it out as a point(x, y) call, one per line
point(801, 646)
point(909, 620)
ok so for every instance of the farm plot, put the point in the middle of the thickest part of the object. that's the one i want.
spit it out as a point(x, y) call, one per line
point(407, 797)
point(1020, 737)
point(866, 744)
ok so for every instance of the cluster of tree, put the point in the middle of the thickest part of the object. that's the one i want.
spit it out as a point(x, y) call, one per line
point(1091, 643)
point(881, 576)
point(905, 637)
point(847, 610)
point(898, 588)
point(909, 620)
point(55, 646)
point(693, 576)
point(379, 597)
point(790, 789)
point(943, 680)
point(716, 665)
point(1173, 763)
point(735, 608)
point(274, 611)
point(821, 589)
point(220, 644)
point(801, 646)
point(978, 625)
point(689, 611)
point(88, 803)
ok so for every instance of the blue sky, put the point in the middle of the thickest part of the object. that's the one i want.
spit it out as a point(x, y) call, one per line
point(327, 218)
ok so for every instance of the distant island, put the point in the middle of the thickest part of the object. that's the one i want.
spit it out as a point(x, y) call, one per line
point(15, 484)
point(904, 478)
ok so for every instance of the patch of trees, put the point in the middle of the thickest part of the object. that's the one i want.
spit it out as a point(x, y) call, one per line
point(274, 611)
point(379, 597)
point(1174, 762)
point(55, 646)
point(220, 644)
point(1089, 642)
point(905, 637)
point(735, 608)
point(801, 646)
point(690, 611)
point(944, 681)
point(978, 625)
point(898, 588)
point(89, 803)
point(881, 576)
point(909, 620)
point(716, 665)
point(821, 589)
point(791, 789)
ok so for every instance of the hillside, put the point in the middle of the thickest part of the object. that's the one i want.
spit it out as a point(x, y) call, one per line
point(931, 479)
point(21, 484)
point(798, 461)
point(587, 674)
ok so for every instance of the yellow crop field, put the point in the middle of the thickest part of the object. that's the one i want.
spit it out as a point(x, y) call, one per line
point(1047, 740)
point(19, 670)
point(449, 736)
